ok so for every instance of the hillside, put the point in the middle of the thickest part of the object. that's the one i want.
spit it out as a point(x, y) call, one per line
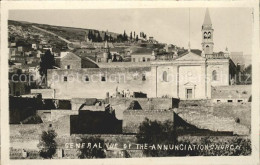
point(70, 33)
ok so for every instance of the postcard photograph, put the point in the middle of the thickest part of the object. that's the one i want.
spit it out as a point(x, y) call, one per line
point(130, 83)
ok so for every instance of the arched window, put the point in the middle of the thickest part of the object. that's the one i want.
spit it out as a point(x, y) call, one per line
point(86, 78)
point(165, 76)
point(143, 77)
point(209, 35)
point(205, 35)
point(214, 75)
point(207, 49)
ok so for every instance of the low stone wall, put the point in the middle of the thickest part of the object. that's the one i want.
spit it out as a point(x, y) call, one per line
point(44, 114)
point(94, 108)
point(46, 93)
point(121, 104)
point(133, 118)
point(62, 126)
point(229, 117)
point(56, 114)
point(77, 102)
point(194, 103)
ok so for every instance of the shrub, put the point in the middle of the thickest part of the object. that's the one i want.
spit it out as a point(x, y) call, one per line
point(48, 144)
point(155, 132)
point(92, 152)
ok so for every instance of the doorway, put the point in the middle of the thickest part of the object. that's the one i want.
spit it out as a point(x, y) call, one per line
point(188, 93)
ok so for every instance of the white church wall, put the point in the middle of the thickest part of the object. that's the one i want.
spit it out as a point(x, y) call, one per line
point(166, 81)
point(222, 70)
point(192, 77)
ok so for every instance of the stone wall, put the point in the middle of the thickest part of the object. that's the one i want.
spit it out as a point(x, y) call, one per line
point(121, 104)
point(46, 93)
point(94, 108)
point(133, 118)
point(44, 114)
point(115, 78)
point(56, 114)
point(76, 103)
point(192, 103)
point(62, 126)
point(22, 108)
point(225, 117)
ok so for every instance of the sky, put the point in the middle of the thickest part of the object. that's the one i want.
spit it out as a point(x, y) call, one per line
point(232, 26)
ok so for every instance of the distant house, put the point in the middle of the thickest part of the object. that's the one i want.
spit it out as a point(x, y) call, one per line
point(229, 94)
point(28, 53)
point(39, 54)
point(20, 48)
point(56, 52)
point(12, 51)
point(63, 54)
point(34, 72)
point(48, 48)
point(34, 46)
point(13, 44)
point(142, 55)
point(18, 59)
point(70, 61)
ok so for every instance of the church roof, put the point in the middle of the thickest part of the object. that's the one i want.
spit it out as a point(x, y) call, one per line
point(195, 51)
point(189, 56)
point(207, 20)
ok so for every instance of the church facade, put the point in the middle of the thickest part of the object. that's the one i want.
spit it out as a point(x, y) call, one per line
point(189, 76)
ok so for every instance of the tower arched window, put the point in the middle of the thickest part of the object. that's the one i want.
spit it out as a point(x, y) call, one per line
point(209, 35)
point(165, 76)
point(207, 49)
point(205, 35)
point(214, 75)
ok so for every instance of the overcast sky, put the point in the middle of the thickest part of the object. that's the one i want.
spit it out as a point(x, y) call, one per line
point(232, 26)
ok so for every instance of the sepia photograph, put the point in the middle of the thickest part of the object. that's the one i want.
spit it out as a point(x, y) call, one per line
point(130, 82)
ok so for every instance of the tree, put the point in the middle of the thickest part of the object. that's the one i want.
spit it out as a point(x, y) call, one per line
point(48, 144)
point(155, 132)
point(120, 38)
point(94, 151)
point(105, 37)
point(125, 37)
point(90, 35)
point(47, 62)
point(246, 76)
point(131, 36)
point(136, 38)
point(99, 38)
point(110, 38)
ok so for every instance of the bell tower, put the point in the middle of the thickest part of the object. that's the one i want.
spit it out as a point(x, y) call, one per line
point(207, 35)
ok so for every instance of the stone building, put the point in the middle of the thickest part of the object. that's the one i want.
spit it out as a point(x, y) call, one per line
point(70, 61)
point(189, 76)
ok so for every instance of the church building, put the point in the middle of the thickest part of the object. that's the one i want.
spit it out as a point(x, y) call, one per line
point(189, 76)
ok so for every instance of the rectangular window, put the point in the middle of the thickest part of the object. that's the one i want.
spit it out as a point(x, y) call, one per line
point(65, 78)
point(103, 78)
point(68, 67)
point(218, 101)
point(143, 59)
point(239, 101)
point(230, 101)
